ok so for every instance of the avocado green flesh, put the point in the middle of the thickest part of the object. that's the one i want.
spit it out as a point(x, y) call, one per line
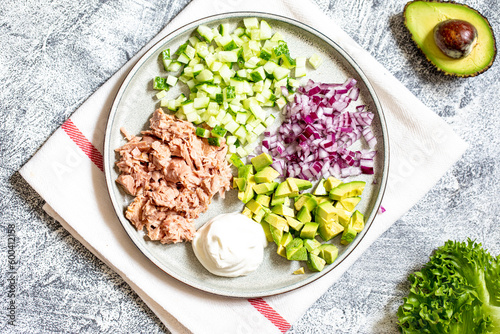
point(422, 16)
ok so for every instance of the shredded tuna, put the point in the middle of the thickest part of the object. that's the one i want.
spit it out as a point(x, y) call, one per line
point(173, 175)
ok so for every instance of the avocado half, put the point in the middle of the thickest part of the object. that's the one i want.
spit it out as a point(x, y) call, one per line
point(421, 16)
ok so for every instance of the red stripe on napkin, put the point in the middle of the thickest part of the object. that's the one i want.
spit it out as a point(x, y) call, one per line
point(271, 315)
point(83, 143)
point(96, 157)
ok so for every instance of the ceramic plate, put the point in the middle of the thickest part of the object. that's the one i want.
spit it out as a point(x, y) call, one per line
point(134, 105)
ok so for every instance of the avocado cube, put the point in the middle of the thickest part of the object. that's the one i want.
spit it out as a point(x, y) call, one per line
point(357, 221)
point(276, 233)
point(331, 183)
point(309, 230)
point(350, 189)
point(299, 271)
point(315, 263)
point(240, 183)
point(350, 203)
point(293, 186)
point(295, 250)
point(277, 200)
point(281, 250)
point(253, 206)
point(283, 210)
point(266, 188)
point(267, 231)
point(267, 174)
point(277, 221)
point(294, 223)
point(322, 199)
point(245, 171)
point(304, 215)
point(343, 217)
point(247, 212)
point(311, 203)
point(263, 200)
point(286, 239)
point(259, 215)
point(261, 161)
point(283, 190)
point(300, 200)
point(348, 235)
point(247, 195)
point(311, 244)
point(326, 211)
point(320, 189)
point(328, 252)
point(300, 183)
point(328, 229)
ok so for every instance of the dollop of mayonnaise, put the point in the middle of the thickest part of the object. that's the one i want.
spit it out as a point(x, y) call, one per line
point(230, 245)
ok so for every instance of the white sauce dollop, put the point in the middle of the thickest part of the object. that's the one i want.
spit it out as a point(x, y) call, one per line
point(230, 245)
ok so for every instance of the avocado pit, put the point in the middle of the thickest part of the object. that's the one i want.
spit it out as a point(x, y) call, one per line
point(455, 38)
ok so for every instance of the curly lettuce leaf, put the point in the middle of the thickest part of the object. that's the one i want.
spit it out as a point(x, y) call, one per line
point(457, 291)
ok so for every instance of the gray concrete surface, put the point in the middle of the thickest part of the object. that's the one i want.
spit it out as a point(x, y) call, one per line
point(55, 54)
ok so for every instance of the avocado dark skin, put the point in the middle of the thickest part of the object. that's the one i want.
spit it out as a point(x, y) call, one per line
point(455, 38)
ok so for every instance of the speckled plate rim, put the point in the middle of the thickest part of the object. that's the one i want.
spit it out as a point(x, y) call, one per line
point(108, 166)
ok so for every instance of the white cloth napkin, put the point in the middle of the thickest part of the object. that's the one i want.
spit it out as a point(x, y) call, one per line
point(67, 173)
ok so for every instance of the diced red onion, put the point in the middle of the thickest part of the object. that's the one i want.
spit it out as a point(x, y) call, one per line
point(318, 132)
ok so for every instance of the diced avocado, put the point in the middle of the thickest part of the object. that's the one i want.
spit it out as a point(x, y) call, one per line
point(299, 271)
point(259, 215)
point(342, 216)
point(331, 183)
point(293, 186)
point(276, 233)
point(286, 239)
point(350, 189)
point(261, 161)
point(300, 200)
point(301, 184)
point(309, 230)
point(283, 210)
point(304, 215)
point(278, 200)
point(248, 194)
point(350, 203)
point(294, 223)
point(281, 250)
point(267, 174)
point(247, 212)
point(326, 211)
point(357, 221)
point(240, 182)
point(328, 229)
point(267, 231)
point(328, 252)
point(266, 188)
point(277, 221)
point(311, 244)
point(320, 189)
point(311, 203)
point(283, 190)
point(315, 263)
point(263, 200)
point(322, 199)
point(348, 235)
point(253, 206)
point(245, 171)
point(295, 250)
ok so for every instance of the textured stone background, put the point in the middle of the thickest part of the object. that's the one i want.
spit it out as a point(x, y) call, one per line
point(55, 54)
